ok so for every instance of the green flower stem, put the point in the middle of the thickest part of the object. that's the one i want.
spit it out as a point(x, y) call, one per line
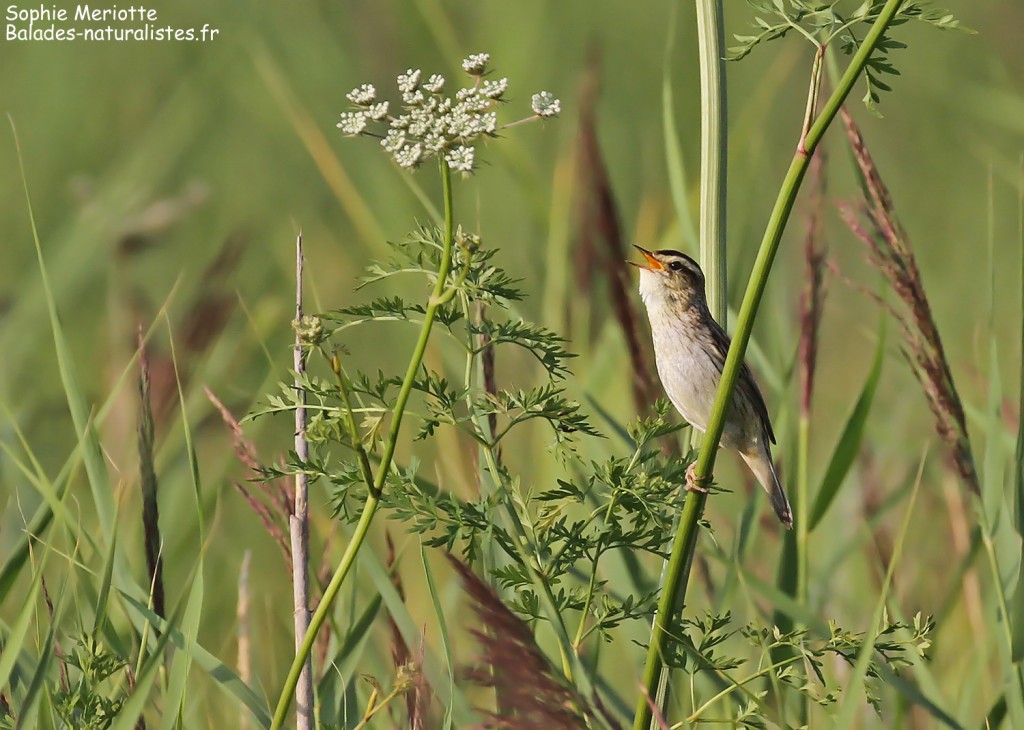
point(740, 684)
point(374, 706)
point(802, 506)
point(571, 667)
point(353, 427)
point(526, 552)
point(803, 445)
point(678, 571)
point(581, 631)
point(437, 298)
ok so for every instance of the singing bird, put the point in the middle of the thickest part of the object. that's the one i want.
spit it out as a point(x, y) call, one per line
point(690, 348)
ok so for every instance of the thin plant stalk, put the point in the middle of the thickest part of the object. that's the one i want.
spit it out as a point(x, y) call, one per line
point(713, 165)
point(680, 560)
point(811, 314)
point(572, 669)
point(438, 297)
point(244, 662)
point(803, 445)
point(810, 320)
point(298, 522)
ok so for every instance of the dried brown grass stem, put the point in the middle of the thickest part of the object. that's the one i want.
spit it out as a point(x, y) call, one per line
point(148, 482)
point(811, 298)
point(873, 220)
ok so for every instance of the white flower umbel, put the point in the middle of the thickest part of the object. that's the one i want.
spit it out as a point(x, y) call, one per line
point(476, 64)
point(434, 84)
point(353, 123)
point(545, 104)
point(433, 125)
point(461, 158)
point(409, 156)
point(363, 95)
point(377, 111)
point(494, 89)
point(408, 81)
point(393, 141)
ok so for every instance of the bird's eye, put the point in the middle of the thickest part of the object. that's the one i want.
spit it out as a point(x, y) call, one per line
point(676, 266)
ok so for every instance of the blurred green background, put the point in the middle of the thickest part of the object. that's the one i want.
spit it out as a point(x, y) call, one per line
point(174, 177)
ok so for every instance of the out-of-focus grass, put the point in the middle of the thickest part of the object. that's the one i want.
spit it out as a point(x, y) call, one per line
point(145, 160)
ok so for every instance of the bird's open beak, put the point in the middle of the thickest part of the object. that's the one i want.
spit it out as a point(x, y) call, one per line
point(652, 263)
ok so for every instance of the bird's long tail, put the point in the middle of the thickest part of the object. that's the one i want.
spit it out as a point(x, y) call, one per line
point(761, 464)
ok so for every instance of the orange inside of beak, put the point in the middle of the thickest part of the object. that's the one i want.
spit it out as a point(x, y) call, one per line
point(652, 263)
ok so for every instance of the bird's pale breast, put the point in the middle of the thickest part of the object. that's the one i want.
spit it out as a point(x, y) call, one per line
point(683, 352)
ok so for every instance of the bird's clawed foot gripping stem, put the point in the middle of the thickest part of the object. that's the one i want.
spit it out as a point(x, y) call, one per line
point(695, 483)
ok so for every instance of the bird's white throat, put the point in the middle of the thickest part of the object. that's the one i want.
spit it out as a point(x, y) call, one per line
point(652, 290)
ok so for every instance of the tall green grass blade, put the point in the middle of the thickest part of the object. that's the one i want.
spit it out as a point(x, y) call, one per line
point(913, 694)
point(996, 714)
point(786, 577)
point(343, 666)
point(1001, 539)
point(16, 560)
point(92, 455)
point(223, 675)
point(956, 577)
point(14, 642)
point(181, 665)
point(442, 625)
point(855, 684)
point(992, 488)
point(135, 705)
point(100, 613)
point(850, 440)
point(1002, 542)
point(1017, 619)
point(745, 531)
point(407, 626)
point(921, 667)
point(46, 718)
point(37, 685)
point(53, 494)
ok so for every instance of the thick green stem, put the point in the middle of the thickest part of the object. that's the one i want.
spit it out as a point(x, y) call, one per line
point(437, 298)
point(714, 145)
point(673, 593)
